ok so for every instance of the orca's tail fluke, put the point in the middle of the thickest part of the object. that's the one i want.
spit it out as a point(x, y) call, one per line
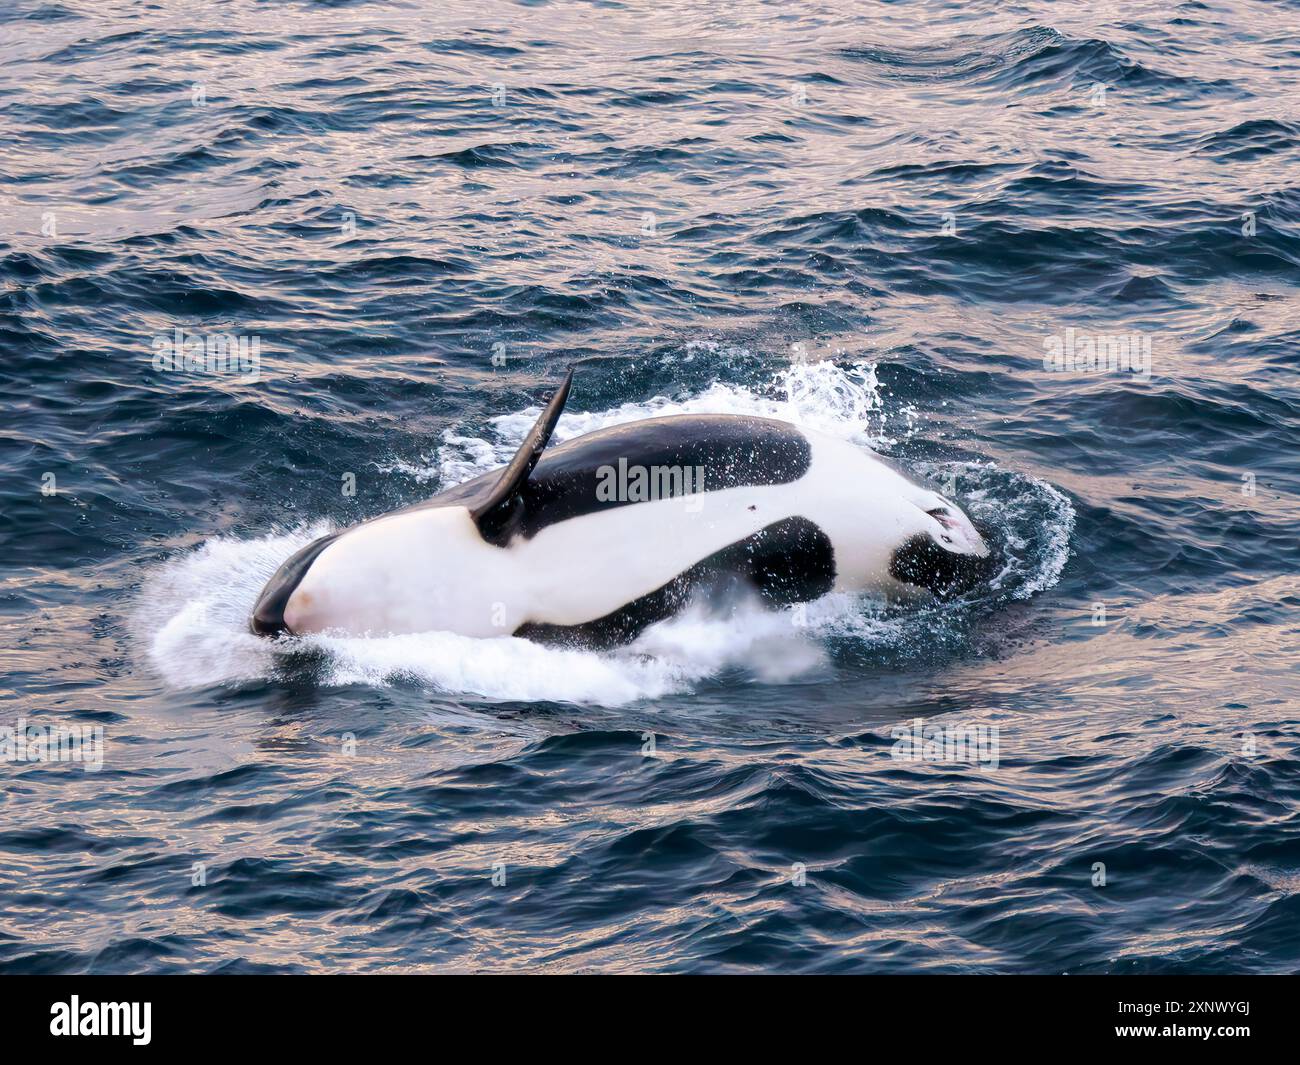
point(268, 614)
point(493, 514)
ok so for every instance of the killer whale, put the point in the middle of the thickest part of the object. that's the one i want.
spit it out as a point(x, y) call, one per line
point(543, 549)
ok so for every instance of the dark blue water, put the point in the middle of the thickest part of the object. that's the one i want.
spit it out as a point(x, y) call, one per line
point(873, 219)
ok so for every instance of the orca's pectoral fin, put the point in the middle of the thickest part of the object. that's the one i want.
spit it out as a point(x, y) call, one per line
point(492, 516)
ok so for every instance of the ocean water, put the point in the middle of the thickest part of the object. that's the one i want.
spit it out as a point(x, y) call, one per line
point(884, 221)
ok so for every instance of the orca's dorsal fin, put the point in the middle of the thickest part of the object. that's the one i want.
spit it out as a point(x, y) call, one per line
point(493, 514)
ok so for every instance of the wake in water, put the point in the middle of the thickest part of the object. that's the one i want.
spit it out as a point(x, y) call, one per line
point(194, 610)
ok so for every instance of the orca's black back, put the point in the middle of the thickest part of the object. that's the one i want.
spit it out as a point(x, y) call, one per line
point(732, 451)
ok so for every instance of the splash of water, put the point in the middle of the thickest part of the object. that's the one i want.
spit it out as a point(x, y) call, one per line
point(844, 401)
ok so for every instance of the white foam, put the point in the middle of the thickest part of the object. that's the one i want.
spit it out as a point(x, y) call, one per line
point(1034, 567)
point(193, 612)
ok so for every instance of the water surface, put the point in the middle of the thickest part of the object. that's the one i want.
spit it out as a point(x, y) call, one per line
point(869, 219)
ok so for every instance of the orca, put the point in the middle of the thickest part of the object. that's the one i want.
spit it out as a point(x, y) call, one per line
point(590, 542)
